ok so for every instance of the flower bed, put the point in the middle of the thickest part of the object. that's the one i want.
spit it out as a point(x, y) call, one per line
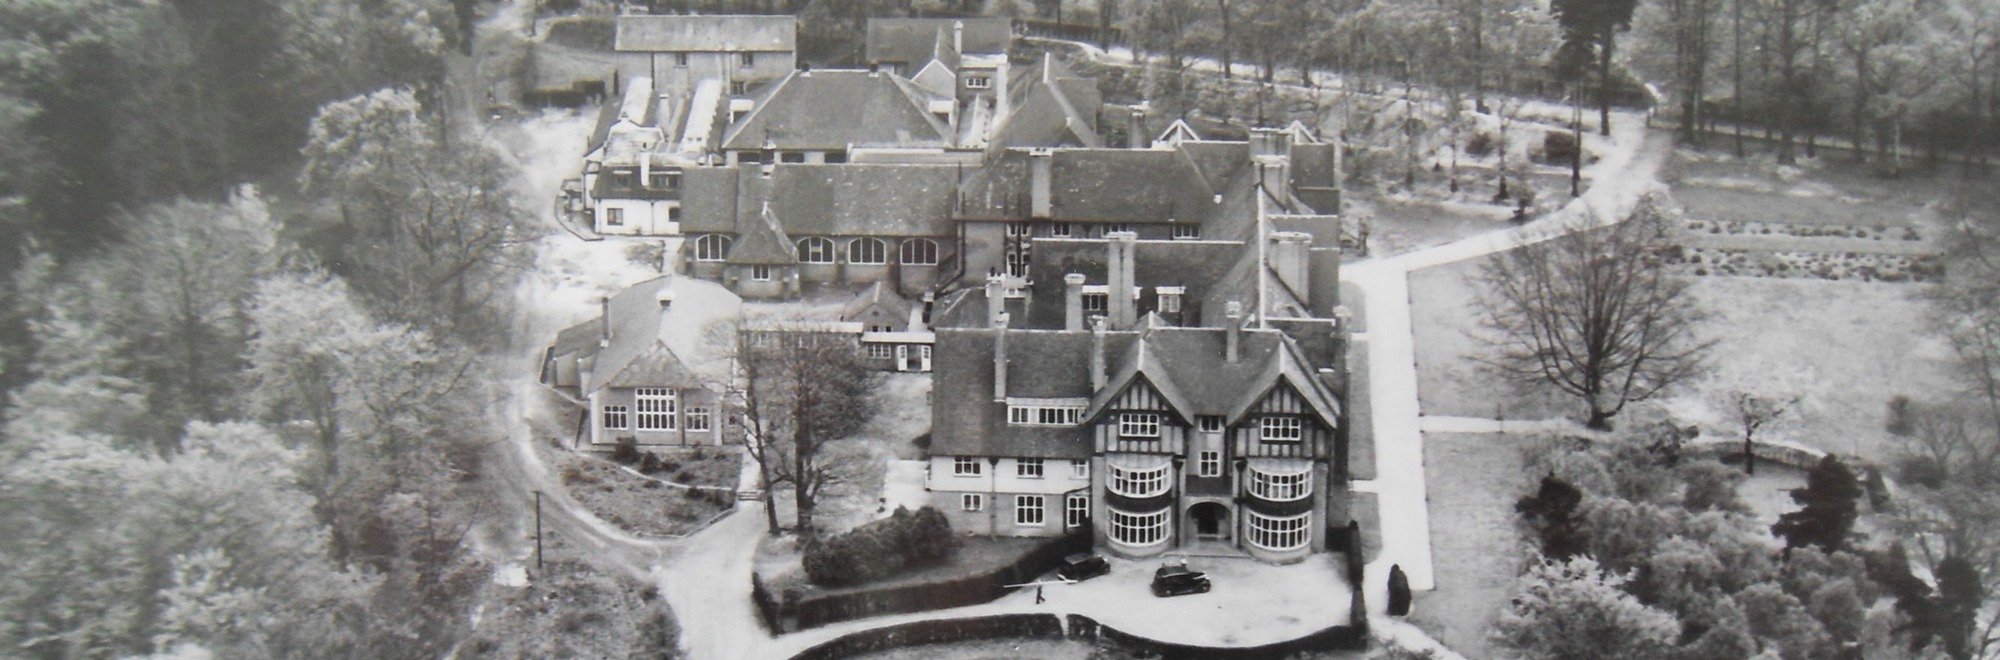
point(1739, 228)
point(1861, 266)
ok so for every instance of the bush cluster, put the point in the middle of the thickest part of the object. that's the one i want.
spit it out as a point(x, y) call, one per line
point(880, 549)
point(1558, 147)
point(1480, 144)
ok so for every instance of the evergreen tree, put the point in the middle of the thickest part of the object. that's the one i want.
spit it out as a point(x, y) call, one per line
point(1828, 508)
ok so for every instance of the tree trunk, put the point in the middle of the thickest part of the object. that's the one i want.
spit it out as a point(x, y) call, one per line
point(1736, 54)
point(1603, 85)
point(1599, 420)
point(1222, 7)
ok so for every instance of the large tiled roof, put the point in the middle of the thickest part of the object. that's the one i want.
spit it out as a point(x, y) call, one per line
point(1195, 265)
point(706, 33)
point(1041, 364)
point(1112, 185)
point(912, 41)
point(1051, 107)
point(865, 199)
point(832, 109)
point(1190, 368)
point(761, 239)
point(649, 346)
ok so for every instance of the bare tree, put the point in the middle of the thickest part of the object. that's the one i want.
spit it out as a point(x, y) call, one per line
point(804, 385)
point(1594, 314)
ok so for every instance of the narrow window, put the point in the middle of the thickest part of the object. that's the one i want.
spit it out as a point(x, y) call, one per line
point(760, 273)
point(1210, 464)
point(1209, 423)
point(1079, 470)
point(615, 417)
point(1076, 510)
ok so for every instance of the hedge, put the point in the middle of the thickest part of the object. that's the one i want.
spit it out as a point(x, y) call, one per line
point(881, 549)
point(820, 610)
point(937, 631)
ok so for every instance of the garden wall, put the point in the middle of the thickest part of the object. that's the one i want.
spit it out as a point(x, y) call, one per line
point(820, 610)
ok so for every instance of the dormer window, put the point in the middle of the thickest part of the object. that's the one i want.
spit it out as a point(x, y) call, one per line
point(664, 181)
point(1170, 299)
point(978, 82)
point(1187, 232)
point(746, 59)
point(1060, 229)
point(1108, 229)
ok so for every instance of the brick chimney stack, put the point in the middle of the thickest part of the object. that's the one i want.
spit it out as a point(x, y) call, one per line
point(1000, 357)
point(1073, 302)
point(1233, 324)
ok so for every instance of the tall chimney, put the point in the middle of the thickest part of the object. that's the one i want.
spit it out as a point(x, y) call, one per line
point(1073, 302)
point(1097, 375)
point(996, 296)
point(604, 320)
point(1136, 136)
point(1124, 311)
point(1233, 327)
point(958, 37)
point(1290, 258)
point(1041, 169)
point(1000, 357)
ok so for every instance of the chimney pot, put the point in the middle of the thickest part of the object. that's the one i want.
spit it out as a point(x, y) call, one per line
point(1073, 302)
point(604, 320)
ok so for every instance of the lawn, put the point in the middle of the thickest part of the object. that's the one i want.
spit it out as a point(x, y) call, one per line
point(1360, 416)
point(574, 611)
point(1852, 345)
point(1451, 381)
point(1476, 551)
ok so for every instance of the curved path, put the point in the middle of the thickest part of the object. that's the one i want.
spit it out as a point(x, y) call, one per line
point(1629, 170)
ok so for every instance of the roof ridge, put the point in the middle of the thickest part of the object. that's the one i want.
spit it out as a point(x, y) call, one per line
point(763, 101)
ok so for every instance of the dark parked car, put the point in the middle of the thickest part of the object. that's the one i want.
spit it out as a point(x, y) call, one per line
point(1082, 566)
point(1175, 579)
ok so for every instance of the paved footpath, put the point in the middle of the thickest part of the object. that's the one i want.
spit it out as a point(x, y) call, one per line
point(1621, 178)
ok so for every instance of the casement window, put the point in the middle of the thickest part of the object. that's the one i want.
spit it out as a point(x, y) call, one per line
point(881, 351)
point(1209, 423)
point(1279, 534)
point(1028, 468)
point(1079, 470)
point(1076, 510)
point(792, 157)
point(760, 273)
point(1108, 228)
point(1138, 482)
point(867, 251)
point(698, 419)
point(737, 88)
point(971, 502)
point(965, 466)
point(1283, 429)
point(1209, 464)
point(1186, 231)
point(711, 247)
point(614, 217)
point(1139, 425)
point(1060, 230)
point(664, 181)
point(1017, 229)
point(1044, 415)
point(1028, 510)
point(816, 250)
point(680, 59)
point(1096, 302)
point(920, 252)
point(617, 417)
point(1138, 529)
point(1280, 487)
point(978, 82)
point(746, 59)
point(656, 408)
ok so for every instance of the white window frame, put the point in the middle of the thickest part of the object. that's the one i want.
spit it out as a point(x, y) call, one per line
point(919, 252)
point(1139, 425)
point(867, 251)
point(881, 351)
point(1210, 423)
point(1107, 229)
point(1279, 533)
point(1076, 510)
point(978, 82)
point(1061, 230)
point(1139, 530)
point(1186, 231)
point(617, 418)
point(1028, 468)
point(818, 250)
point(971, 502)
point(1079, 469)
point(1278, 487)
point(1209, 463)
point(1098, 301)
point(1028, 415)
point(1149, 482)
point(965, 466)
point(711, 247)
point(1275, 428)
point(698, 419)
point(760, 273)
point(656, 407)
point(1029, 511)
point(614, 217)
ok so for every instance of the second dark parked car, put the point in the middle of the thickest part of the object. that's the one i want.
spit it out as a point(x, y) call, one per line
point(1081, 566)
point(1175, 579)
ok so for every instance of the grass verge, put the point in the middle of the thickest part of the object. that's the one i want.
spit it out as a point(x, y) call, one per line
point(1476, 551)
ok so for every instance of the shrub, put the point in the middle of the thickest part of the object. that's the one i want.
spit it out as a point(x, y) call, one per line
point(627, 451)
point(649, 463)
point(881, 548)
point(1559, 146)
point(1479, 144)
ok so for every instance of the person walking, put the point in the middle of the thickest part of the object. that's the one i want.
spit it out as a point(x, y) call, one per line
point(1038, 595)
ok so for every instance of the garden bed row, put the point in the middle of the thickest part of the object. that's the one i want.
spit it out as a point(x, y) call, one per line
point(1850, 266)
point(1878, 232)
